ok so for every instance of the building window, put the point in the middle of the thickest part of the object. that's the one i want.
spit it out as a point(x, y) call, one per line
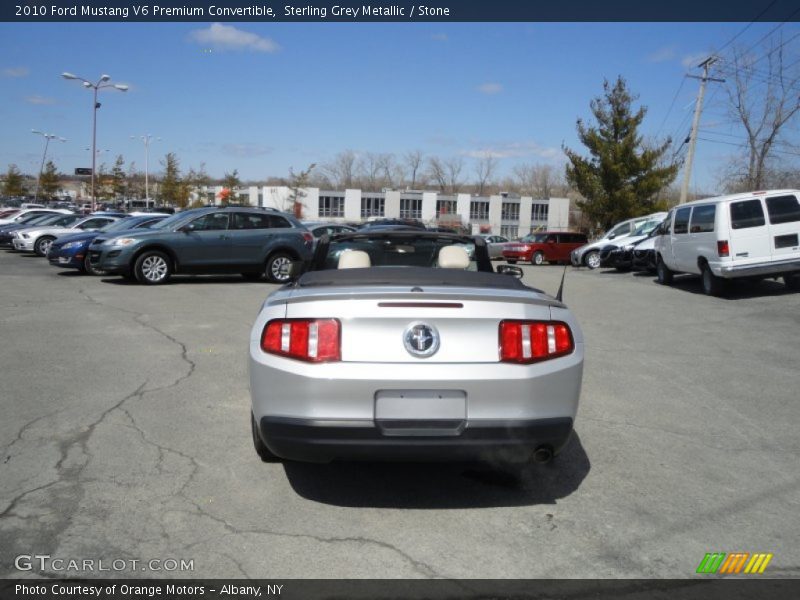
point(446, 207)
point(509, 231)
point(331, 206)
point(479, 210)
point(509, 211)
point(410, 208)
point(372, 207)
point(539, 212)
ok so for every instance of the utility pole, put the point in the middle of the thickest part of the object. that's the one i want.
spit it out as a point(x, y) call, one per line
point(698, 108)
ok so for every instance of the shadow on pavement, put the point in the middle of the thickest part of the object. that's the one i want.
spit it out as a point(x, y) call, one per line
point(440, 485)
point(187, 279)
point(734, 290)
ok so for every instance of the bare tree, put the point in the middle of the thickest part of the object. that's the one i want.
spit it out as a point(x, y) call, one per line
point(484, 169)
point(386, 168)
point(454, 166)
point(538, 180)
point(341, 170)
point(438, 172)
point(763, 97)
point(413, 161)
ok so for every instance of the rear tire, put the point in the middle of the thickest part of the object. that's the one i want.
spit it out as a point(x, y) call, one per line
point(592, 260)
point(152, 268)
point(792, 282)
point(274, 264)
point(259, 445)
point(42, 246)
point(538, 259)
point(663, 273)
point(712, 285)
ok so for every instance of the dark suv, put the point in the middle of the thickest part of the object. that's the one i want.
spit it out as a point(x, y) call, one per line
point(250, 241)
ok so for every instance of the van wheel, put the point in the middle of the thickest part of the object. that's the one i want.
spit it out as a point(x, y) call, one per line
point(538, 259)
point(712, 285)
point(261, 448)
point(792, 282)
point(663, 273)
point(592, 259)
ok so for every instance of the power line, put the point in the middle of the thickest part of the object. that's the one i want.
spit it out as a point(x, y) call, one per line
point(672, 104)
point(750, 24)
point(744, 146)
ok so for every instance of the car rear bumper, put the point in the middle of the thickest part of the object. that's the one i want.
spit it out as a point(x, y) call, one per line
point(758, 270)
point(324, 440)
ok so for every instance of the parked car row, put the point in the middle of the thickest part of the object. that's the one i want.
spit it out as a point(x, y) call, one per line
point(748, 236)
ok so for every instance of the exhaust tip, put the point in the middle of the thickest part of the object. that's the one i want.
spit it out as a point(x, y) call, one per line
point(543, 454)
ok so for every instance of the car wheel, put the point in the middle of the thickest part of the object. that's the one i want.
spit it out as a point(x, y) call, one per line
point(251, 276)
point(663, 273)
point(274, 264)
point(712, 285)
point(512, 261)
point(261, 448)
point(592, 259)
point(90, 269)
point(42, 246)
point(152, 268)
point(792, 282)
point(538, 259)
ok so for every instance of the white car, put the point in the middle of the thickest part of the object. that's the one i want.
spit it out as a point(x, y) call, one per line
point(20, 215)
point(39, 239)
point(589, 255)
point(741, 236)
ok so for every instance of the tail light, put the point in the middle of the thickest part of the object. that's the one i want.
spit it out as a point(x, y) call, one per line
point(532, 341)
point(311, 340)
point(307, 237)
point(722, 248)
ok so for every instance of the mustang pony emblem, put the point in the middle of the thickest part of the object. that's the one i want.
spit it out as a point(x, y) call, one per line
point(421, 339)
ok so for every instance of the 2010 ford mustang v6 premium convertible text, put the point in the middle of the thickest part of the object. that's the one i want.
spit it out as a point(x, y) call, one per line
point(394, 345)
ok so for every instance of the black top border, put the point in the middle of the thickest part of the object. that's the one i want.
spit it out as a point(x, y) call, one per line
point(400, 10)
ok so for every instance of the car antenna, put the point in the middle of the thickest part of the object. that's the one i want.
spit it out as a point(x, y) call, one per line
point(560, 292)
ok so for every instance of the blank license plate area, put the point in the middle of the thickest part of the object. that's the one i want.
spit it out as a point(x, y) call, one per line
point(421, 412)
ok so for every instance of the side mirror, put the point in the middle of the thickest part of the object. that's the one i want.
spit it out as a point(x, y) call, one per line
point(188, 228)
point(293, 269)
point(510, 270)
point(612, 236)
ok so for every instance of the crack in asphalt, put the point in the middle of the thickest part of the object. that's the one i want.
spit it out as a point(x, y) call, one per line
point(21, 433)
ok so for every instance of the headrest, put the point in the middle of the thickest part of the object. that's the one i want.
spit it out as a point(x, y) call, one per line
point(353, 259)
point(453, 257)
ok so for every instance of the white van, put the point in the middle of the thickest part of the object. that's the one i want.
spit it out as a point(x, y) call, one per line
point(752, 235)
point(589, 254)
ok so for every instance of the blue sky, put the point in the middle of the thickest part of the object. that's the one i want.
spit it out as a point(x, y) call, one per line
point(264, 97)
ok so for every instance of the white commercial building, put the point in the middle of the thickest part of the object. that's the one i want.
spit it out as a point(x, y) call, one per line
point(502, 214)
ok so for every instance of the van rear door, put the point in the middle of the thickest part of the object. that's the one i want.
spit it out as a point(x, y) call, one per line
point(749, 235)
point(783, 213)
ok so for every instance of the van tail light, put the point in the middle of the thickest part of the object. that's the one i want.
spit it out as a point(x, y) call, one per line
point(532, 341)
point(722, 248)
point(311, 340)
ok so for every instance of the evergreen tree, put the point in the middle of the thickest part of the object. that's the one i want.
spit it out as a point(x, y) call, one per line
point(120, 180)
point(50, 181)
point(622, 175)
point(170, 190)
point(14, 184)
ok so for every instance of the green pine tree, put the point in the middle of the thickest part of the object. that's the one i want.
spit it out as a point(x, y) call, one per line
point(120, 180)
point(14, 184)
point(171, 188)
point(231, 183)
point(50, 181)
point(622, 176)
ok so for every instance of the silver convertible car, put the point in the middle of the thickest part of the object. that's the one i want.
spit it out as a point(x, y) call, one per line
point(394, 345)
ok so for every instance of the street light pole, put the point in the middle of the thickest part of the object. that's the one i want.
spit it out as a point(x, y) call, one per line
point(47, 138)
point(147, 138)
point(101, 83)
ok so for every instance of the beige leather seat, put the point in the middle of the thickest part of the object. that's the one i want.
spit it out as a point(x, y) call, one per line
point(453, 257)
point(353, 259)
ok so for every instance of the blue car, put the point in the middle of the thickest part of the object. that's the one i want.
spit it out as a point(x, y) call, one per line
point(70, 251)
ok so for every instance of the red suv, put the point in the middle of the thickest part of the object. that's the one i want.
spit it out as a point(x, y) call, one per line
point(551, 246)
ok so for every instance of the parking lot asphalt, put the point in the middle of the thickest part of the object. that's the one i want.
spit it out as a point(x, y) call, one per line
point(125, 435)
